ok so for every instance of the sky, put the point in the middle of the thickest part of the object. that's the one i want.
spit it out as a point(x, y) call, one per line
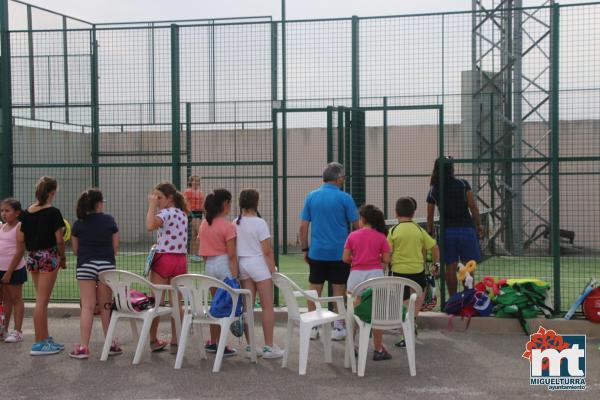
point(141, 10)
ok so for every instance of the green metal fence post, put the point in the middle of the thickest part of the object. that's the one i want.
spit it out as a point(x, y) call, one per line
point(492, 245)
point(357, 123)
point(347, 153)
point(212, 84)
point(31, 62)
point(152, 68)
point(350, 143)
point(284, 191)
point(329, 134)
point(358, 157)
point(340, 136)
point(6, 134)
point(440, 238)
point(355, 63)
point(555, 218)
point(66, 68)
point(188, 140)
point(274, 151)
point(175, 108)
point(95, 137)
point(385, 158)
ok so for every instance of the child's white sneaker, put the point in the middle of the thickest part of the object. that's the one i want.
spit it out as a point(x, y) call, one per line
point(14, 337)
point(339, 333)
point(272, 352)
point(248, 352)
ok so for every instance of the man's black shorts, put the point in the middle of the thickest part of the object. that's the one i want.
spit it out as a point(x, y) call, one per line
point(335, 272)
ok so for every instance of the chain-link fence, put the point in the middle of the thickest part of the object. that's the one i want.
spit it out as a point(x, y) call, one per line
point(510, 92)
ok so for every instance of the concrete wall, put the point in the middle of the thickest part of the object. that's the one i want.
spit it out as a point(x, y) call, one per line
point(43, 146)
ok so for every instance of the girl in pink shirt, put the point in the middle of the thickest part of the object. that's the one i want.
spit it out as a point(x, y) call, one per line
point(218, 248)
point(368, 251)
point(12, 267)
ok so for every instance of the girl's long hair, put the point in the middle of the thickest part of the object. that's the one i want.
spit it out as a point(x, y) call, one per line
point(248, 201)
point(87, 201)
point(215, 203)
point(168, 189)
point(448, 172)
point(44, 186)
point(374, 217)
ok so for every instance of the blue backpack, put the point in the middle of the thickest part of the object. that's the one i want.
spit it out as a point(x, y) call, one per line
point(460, 302)
point(222, 303)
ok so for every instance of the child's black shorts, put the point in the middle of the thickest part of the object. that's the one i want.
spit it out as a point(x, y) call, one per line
point(18, 277)
point(418, 278)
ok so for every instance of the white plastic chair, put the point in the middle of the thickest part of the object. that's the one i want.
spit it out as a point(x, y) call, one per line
point(306, 321)
point(196, 295)
point(386, 313)
point(121, 283)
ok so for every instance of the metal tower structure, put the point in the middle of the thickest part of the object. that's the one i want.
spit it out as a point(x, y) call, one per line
point(511, 83)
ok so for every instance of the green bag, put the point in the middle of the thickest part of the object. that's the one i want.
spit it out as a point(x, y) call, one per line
point(521, 301)
point(364, 308)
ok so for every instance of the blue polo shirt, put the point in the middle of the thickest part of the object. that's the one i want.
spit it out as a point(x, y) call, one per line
point(329, 210)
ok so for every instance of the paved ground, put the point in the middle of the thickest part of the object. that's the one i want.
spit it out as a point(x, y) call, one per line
point(458, 365)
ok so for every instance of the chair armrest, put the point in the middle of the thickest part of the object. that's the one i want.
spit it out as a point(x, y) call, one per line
point(338, 300)
point(312, 292)
point(247, 294)
point(244, 292)
point(306, 294)
point(157, 291)
point(163, 287)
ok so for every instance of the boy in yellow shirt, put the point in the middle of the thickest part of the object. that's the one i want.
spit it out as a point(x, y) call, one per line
point(409, 243)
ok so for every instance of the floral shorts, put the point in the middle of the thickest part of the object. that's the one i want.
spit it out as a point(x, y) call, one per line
point(46, 260)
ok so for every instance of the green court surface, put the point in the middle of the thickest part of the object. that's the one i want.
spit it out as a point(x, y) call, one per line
point(66, 288)
point(575, 271)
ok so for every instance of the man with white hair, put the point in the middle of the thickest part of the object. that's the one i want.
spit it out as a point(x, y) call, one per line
point(330, 210)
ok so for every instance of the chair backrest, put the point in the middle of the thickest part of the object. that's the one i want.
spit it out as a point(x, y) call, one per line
point(196, 292)
point(121, 283)
point(287, 287)
point(388, 298)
